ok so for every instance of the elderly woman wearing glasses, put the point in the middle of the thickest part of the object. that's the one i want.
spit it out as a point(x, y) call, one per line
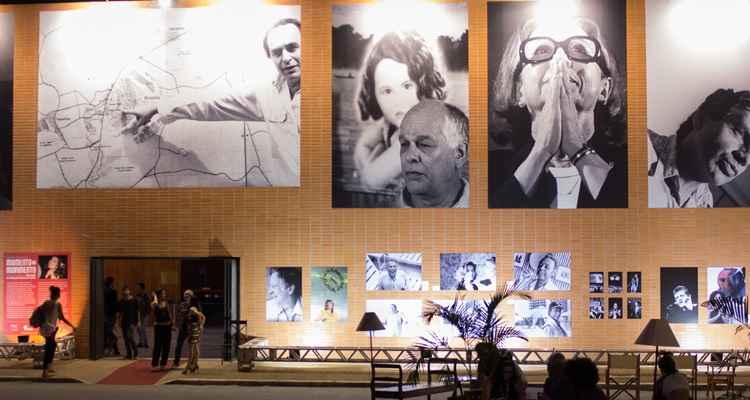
point(558, 96)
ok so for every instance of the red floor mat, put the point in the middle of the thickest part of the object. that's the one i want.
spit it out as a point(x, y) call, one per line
point(135, 373)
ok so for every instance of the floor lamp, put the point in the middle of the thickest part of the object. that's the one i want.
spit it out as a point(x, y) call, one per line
point(657, 333)
point(369, 323)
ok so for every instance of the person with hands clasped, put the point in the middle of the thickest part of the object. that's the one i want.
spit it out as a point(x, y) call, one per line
point(558, 90)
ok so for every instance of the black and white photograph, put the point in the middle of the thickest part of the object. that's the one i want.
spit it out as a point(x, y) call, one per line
point(194, 97)
point(634, 282)
point(468, 271)
point(284, 294)
point(7, 42)
point(596, 282)
point(329, 286)
point(393, 271)
point(614, 282)
point(543, 318)
point(401, 318)
point(679, 294)
point(635, 308)
point(53, 267)
point(726, 286)
point(596, 308)
point(400, 105)
point(541, 271)
point(615, 308)
point(557, 113)
point(698, 120)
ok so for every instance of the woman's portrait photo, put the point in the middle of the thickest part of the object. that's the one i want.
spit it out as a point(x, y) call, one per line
point(557, 105)
point(53, 267)
point(400, 99)
point(329, 294)
point(698, 120)
point(468, 271)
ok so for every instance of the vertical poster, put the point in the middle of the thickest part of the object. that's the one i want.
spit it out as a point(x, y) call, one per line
point(329, 287)
point(468, 271)
point(194, 97)
point(7, 40)
point(726, 286)
point(541, 271)
point(679, 294)
point(635, 307)
point(284, 294)
point(698, 120)
point(401, 318)
point(27, 278)
point(596, 282)
point(615, 308)
point(543, 318)
point(400, 105)
point(614, 282)
point(596, 308)
point(393, 271)
point(634, 282)
point(557, 61)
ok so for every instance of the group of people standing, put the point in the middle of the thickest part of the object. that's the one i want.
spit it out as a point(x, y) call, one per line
point(131, 314)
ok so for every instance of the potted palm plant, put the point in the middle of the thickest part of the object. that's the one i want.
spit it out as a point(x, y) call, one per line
point(475, 321)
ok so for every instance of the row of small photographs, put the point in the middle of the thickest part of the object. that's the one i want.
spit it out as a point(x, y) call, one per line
point(614, 282)
point(615, 309)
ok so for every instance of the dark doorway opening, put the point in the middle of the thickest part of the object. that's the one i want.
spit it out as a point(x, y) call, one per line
point(213, 280)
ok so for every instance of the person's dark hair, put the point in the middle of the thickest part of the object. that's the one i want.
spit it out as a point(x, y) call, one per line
point(291, 277)
point(554, 304)
point(555, 364)
point(541, 261)
point(507, 113)
point(581, 373)
point(285, 21)
point(667, 365)
point(142, 285)
point(329, 301)
point(407, 48)
point(109, 281)
point(471, 266)
point(54, 292)
point(716, 107)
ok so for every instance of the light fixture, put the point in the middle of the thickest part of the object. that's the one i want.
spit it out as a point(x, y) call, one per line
point(657, 333)
point(369, 323)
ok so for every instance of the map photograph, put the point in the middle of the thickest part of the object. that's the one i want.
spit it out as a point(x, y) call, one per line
point(194, 97)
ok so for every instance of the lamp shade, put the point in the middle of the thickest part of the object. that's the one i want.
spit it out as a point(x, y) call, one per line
point(657, 333)
point(370, 322)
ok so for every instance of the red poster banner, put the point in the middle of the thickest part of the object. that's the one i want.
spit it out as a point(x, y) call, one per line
point(27, 278)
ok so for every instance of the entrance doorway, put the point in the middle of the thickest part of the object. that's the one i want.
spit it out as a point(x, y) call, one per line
point(213, 280)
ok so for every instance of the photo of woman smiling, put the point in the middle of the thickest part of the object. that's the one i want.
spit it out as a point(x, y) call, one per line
point(557, 115)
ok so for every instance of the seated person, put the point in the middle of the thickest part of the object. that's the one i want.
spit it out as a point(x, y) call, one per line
point(555, 386)
point(499, 375)
point(671, 385)
point(583, 377)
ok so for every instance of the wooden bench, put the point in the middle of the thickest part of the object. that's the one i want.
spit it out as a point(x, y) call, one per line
point(389, 387)
point(66, 350)
point(247, 353)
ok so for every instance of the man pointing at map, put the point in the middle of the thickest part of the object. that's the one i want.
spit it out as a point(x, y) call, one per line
point(277, 103)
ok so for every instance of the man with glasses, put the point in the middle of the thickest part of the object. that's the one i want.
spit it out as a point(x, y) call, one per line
point(709, 149)
point(558, 100)
point(276, 103)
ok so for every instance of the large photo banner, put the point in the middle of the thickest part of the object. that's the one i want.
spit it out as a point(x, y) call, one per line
point(557, 112)
point(27, 278)
point(698, 119)
point(7, 41)
point(401, 102)
point(329, 287)
point(194, 97)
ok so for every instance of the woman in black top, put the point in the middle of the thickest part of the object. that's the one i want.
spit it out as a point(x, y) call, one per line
point(163, 322)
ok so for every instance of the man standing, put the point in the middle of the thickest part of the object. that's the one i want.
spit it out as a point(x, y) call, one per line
point(144, 309)
point(393, 278)
point(52, 313)
point(276, 103)
point(709, 148)
point(129, 322)
point(434, 149)
point(188, 300)
point(110, 316)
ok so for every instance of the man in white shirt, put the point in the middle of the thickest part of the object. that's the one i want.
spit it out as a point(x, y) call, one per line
point(284, 301)
point(392, 278)
point(276, 103)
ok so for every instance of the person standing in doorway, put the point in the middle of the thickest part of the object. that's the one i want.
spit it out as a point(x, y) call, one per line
point(110, 315)
point(188, 300)
point(163, 325)
point(52, 313)
point(144, 309)
point(129, 322)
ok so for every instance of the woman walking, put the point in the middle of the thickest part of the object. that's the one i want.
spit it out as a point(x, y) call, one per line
point(196, 320)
